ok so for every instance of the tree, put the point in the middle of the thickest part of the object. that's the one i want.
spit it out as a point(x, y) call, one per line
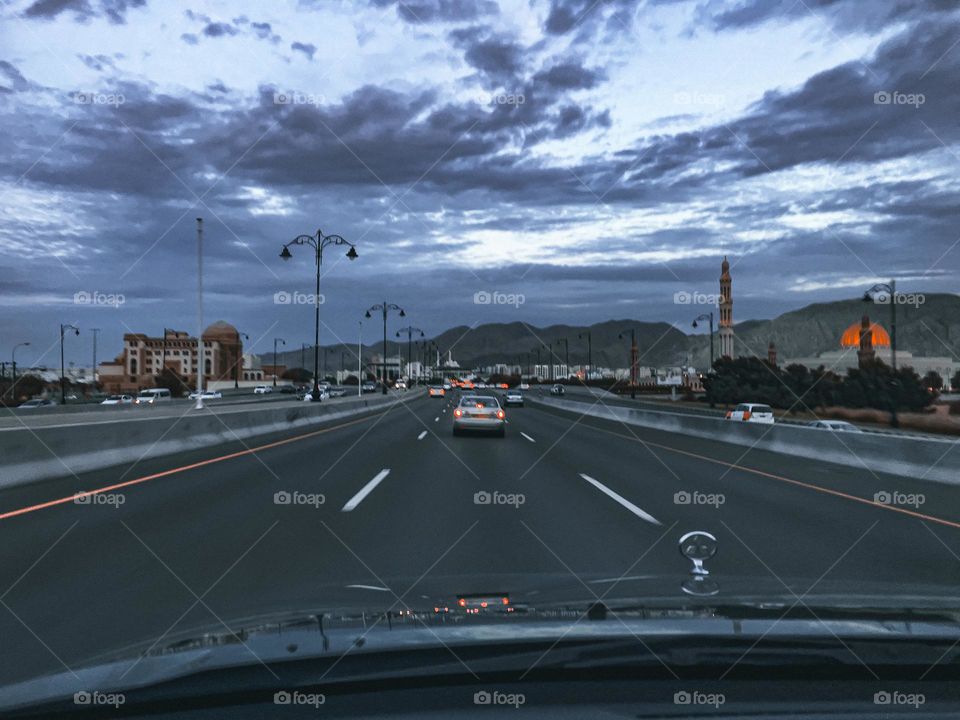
point(955, 380)
point(933, 380)
point(173, 381)
point(301, 375)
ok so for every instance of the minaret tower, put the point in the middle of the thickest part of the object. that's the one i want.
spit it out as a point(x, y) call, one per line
point(726, 311)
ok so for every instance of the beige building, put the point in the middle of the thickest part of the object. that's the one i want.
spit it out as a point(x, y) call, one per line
point(143, 358)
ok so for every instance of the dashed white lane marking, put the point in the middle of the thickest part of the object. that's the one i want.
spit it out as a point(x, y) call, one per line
point(437, 419)
point(365, 490)
point(622, 500)
point(528, 437)
point(369, 587)
point(422, 435)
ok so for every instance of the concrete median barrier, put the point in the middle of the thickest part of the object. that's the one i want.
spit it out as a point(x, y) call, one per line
point(916, 457)
point(29, 454)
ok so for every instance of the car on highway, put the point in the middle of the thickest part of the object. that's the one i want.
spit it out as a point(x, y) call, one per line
point(524, 386)
point(834, 425)
point(288, 389)
point(480, 413)
point(206, 395)
point(447, 386)
point(336, 392)
point(751, 412)
point(400, 385)
point(436, 391)
point(36, 403)
point(368, 387)
point(324, 395)
point(513, 397)
point(118, 400)
point(151, 396)
point(557, 389)
point(262, 390)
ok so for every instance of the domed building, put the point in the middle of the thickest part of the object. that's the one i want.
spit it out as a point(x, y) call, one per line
point(144, 357)
point(865, 340)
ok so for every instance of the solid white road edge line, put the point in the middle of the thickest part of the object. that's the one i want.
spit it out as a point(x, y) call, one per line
point(622, 500)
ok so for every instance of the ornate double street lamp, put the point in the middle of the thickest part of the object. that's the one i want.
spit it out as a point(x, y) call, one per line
point(410, 331)
point(385, 308)
point(318, 243)
point(707, 316)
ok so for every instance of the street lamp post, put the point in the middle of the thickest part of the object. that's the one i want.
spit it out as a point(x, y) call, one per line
point(238, 363)
point(318, 243)
point(589, 351)
point(633, 362)
point(275, 341)
point(566, 353)
point(93, 371)
point(891, 289)
point(410, 330)
point(63, 391)
point(360, 377)
point(385, 308)
point(707, 316)
point(13, 363)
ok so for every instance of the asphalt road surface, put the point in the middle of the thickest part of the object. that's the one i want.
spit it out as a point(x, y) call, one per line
point(204, 537)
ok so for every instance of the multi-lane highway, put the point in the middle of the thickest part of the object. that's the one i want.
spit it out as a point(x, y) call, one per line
point(359, 512)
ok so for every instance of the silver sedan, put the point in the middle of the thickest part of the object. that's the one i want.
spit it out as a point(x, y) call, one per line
point(481, 413)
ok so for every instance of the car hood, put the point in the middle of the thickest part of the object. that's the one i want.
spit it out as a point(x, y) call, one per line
point(551, 609)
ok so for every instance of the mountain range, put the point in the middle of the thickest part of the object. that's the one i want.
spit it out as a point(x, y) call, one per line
point(928, 329)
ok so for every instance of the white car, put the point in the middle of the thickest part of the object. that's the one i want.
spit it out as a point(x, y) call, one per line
point(513, 397)
point(479, 412)
point(152, 396)
point(206, 395)
point(324, 395)
point(118, 400)
point(262, 390)
point(524, 386)
point(751, 412)
point(834, 425)
point(37, 403)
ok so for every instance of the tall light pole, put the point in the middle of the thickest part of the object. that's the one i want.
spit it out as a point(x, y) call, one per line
point(93, 372)
point(201, 358)
point(360, 377)
point(410, 330)
point(13, 362)
point(318, 243)
point(282, 342)
point(589, 335)
point(63, 392)
point(634, 358)
point(869, 296)
point(303, 362)
point(385, 307)
point(707, 316)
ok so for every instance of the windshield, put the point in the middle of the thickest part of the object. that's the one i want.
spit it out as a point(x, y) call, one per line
point(272, 276)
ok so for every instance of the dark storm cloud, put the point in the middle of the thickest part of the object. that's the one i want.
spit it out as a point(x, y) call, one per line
point(100, 63)
point(842, 15)
point(219, 29)
point(83, 10)
point(498, 59)
point(430, 11)
point(308, 49)
point(12, 79)
point(833, 118)
point(570, 76)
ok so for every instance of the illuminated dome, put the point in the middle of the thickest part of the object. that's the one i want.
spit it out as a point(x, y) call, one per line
point(851, 336)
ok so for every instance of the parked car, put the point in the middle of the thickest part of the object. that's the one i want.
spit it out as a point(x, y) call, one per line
point(262, 390)
point(118, 400)
point(751, 412)
point(835, 425)
point(36, 403)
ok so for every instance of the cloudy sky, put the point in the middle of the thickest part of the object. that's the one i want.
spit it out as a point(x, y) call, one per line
point(595, 157)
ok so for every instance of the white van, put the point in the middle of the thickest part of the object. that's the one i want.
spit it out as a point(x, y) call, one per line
point(153, 395)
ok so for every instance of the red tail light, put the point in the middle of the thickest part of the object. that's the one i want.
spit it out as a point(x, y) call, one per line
point(500, 414)
point(729, 414)
point(746, 414)
point(458, 412)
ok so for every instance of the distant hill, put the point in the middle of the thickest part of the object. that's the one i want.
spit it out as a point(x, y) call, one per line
point(930, 329)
